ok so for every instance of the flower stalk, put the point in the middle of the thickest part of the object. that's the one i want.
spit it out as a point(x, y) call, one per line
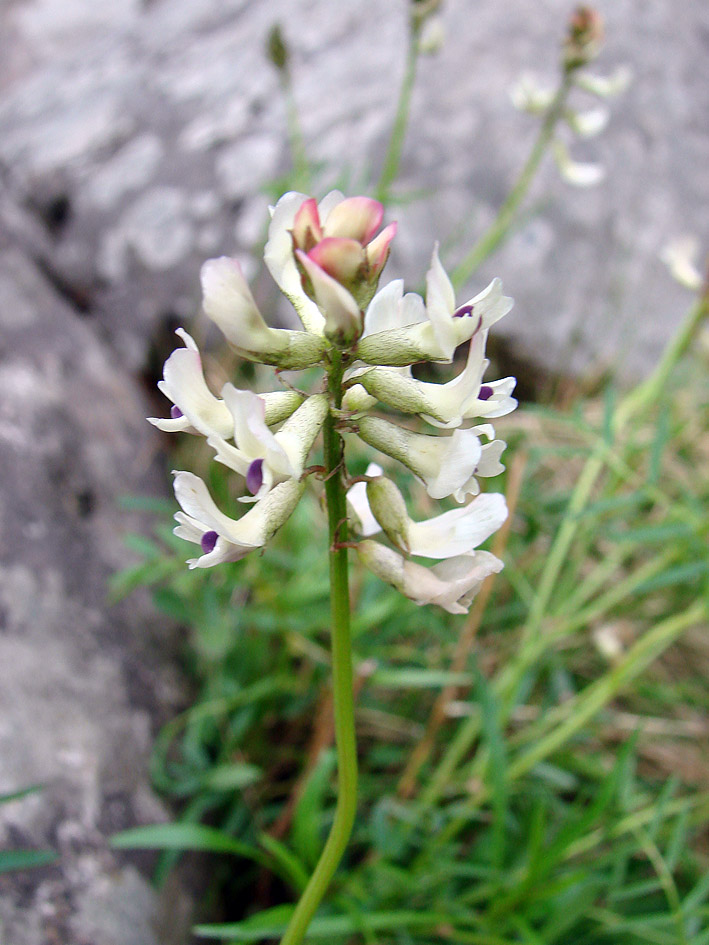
point(327, 258)
point(342, 679)
point(499, 230)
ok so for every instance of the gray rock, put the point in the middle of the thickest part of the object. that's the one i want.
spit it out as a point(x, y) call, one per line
point(82, 685)
point(136, 138)
point(135, 117)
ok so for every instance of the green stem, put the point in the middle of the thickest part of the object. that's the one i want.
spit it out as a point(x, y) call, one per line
point(343, 696)
point(499, 229)
point(401, 120)
point(296, 141)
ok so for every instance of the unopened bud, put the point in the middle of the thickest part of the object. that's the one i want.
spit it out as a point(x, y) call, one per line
point(389, 509)
point(433, 36)
point(344, 321)
point(420, 10)
point(276, 48)
point(584, 37)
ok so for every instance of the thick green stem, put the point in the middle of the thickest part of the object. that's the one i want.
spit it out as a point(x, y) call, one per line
point(343, 697)
point(499, 229)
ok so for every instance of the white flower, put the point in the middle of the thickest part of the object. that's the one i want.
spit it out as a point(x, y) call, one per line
point(358, 511)
point(680, 257)
point(195, 408)
point(589, 123)
point(433, 36)
point(456, 532)
point(228, 301)
point(489, 465)
point(444, 405)
point(261, 456)
point(605, 86)
point(343, 319)
point(452, 584)
point(280, 259)
point(576, 172)
point(390, 309)
point(445, 328)
point(226, 539)
point(445, 465)
point(528, 95)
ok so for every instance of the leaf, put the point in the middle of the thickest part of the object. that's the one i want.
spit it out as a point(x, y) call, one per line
point(309, 812)
point(497, 766)
point(184, 836)
point(11, 860)
point(680, 574)
point(19, 794)
point(291, 866)
point(414, 678)
point(231, 777)
point(272, 923)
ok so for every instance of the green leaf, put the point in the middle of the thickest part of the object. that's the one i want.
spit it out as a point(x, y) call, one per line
point(141, 545)
point(663, 433)
point(308, 816)
point(414, 678)
point(231, 777)
point(272, 924)
point(497, 767)
point(19, 794)
point(649, 534)
point(11, 860)
point(184, 836)
point(680, 574)
point(291, 866)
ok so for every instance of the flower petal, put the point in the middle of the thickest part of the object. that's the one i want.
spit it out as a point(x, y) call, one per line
point(341, 258)
point(356, 218)
point(391, 309)
point(343, 318)
point(444, 464)
point(363, 521)
point(456, 532)
point(452, 584)
point(236, 537)
point(184, 384)
point(229, 303)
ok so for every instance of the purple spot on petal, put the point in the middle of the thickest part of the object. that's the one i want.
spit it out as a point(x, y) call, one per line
point(208, 541)
point(254, 476)
point(463, 310)
point(486, 392)
point(175, 412)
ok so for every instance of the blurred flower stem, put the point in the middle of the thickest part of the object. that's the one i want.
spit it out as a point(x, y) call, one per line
point(279, 54)
point(392, 160)
point(342, 682)
point(500, 228)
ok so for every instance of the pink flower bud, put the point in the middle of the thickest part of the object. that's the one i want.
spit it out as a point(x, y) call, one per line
point(344, 320)
point(378, 250)
point(356, 218)
point(341, 258)
point(306, 226)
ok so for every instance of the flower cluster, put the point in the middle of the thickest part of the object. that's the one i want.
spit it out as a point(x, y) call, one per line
point(327, 258)
point(581, 46)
